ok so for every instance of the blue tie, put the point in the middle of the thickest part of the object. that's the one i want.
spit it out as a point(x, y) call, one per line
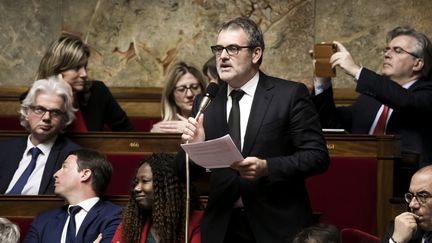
point(71, 231)
point(19, 185)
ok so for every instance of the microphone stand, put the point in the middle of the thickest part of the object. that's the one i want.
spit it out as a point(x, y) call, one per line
point(187, 198)
point(187, 210)
point(209, 94)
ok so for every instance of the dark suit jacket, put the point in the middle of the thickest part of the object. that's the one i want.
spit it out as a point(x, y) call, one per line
point(102, 218)
point(411, 117)
point(102, 109)
point(417, 237)
point(284, 129)
point(11, 152)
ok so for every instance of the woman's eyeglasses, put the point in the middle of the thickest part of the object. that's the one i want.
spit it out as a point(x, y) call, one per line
point(194, 88)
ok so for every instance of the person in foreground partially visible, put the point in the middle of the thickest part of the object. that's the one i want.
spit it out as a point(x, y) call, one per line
point(81, 181)
point(9, 232)
point(414, 226)
point(319, 233)
point(155, 212)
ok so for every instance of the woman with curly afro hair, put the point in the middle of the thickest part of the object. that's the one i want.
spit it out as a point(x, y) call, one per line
point(156, 208)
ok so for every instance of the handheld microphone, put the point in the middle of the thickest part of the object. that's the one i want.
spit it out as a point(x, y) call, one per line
point(209, 94)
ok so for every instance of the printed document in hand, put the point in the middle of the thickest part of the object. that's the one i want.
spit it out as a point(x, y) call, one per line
point(217, 153)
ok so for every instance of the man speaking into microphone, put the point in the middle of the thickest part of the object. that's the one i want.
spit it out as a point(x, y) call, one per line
point(273, 123)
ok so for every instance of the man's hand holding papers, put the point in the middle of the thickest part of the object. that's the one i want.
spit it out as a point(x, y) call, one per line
point(216, 153)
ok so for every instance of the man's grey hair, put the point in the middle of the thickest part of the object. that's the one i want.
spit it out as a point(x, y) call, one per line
point(52, 85)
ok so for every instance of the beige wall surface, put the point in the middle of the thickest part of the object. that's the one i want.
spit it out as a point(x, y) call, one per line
point(133, 42)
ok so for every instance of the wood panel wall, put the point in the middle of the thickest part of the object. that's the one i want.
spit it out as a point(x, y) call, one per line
point(137, 102)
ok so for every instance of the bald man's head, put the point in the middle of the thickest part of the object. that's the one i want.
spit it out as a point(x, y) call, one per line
point(420, 193)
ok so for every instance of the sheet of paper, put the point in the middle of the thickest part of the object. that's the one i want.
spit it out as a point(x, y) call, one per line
point(216, 153)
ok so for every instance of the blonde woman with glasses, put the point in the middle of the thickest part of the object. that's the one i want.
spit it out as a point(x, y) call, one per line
point(183, 83)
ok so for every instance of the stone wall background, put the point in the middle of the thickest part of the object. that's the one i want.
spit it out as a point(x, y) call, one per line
point(134, 41)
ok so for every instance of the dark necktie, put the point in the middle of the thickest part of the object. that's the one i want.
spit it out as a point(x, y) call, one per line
point(71, 231)
point(234, 117)
point(428, 237)
point(19, 185)
point(380, 126)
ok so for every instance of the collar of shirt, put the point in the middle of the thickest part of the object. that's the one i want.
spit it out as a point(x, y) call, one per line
point(407, 85)
point(249, 87)
point(44, 147)
point(87, 204)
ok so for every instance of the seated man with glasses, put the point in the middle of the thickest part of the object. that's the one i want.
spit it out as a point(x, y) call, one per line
point(27, 164)
point(183, 83)
point(397, 101)
point(415, 226)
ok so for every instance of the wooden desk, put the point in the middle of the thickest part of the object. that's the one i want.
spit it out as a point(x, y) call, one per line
point(118, 142)
point(384, 148)
point(29, 206)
